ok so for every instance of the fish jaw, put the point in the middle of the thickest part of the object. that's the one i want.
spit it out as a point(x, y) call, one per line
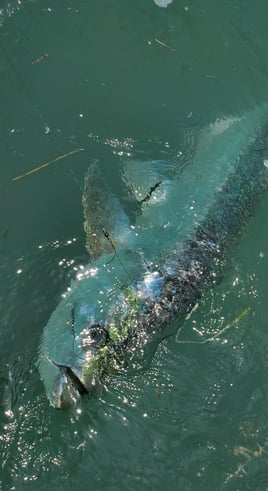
point(65, 385)
point(60, 388)
point(63, 394)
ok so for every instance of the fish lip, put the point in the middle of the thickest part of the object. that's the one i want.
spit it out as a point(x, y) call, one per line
point(68, 388)
point(66, 400)
point(76, 381)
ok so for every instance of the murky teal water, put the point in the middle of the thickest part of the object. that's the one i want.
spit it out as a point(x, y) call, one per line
point(196, 419)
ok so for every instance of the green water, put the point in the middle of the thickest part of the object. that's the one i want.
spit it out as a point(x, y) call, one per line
point(196, 418)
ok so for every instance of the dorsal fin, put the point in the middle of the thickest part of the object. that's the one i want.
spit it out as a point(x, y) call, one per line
point(144, 182)
point(142, 177)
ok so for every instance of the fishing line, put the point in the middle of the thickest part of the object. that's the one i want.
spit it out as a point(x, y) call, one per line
point(25, 90)
point(112, 243)
point(40, 115)
point(218, 334)
point(111, 240)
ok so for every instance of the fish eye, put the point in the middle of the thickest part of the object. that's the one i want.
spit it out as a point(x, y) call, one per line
point(99, 335)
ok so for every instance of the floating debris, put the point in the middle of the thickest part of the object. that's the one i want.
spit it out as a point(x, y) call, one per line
point(165, 45)
point(249, 455)
point(46, 164)
point(42, 57)
point(245, 452)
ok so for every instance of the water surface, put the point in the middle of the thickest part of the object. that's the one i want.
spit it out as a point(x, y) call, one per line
point(196, 418)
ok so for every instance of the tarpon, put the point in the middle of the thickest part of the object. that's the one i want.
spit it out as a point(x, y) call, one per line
point(145, 277)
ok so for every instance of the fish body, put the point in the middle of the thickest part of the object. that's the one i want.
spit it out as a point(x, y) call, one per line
point(161, 265)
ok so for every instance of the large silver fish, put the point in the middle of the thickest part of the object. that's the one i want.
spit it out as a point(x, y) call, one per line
point(145, 275)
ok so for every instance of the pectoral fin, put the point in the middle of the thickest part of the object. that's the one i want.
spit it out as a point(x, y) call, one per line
point(102, 213)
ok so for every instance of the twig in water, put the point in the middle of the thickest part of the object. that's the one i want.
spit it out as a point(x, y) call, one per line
point(42, 57)
point(46, 164)
point(165, 45)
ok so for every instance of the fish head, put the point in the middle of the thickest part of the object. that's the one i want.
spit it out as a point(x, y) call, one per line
point(82, 344)
point(80, 377)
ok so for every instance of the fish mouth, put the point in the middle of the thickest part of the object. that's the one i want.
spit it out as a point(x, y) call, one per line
point(68, 387)
point(67, 383)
